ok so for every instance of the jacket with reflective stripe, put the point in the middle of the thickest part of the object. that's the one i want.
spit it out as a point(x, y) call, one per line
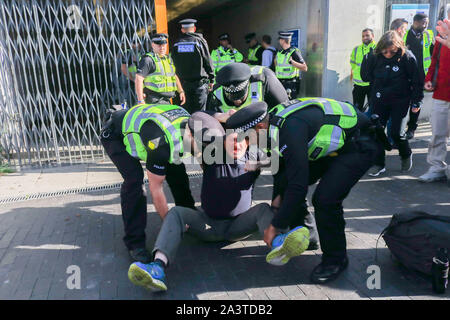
point(356, 59)
point(331, 136)
point(256, 92)
point(221, 58)
point(163, 78)
point(283, 69)
point(428, 37)
point(252, 53)
point(167, 117)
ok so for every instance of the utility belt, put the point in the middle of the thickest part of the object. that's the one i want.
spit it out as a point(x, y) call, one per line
point(110, 129)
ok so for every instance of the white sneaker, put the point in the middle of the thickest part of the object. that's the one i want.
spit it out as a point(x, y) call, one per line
point(375, 171)
point(432, 176)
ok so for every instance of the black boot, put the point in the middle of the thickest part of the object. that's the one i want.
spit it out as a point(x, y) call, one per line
point(326, 272)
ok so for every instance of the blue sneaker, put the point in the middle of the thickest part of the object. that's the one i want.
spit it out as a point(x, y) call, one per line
point(288, 245)
point(150, 276)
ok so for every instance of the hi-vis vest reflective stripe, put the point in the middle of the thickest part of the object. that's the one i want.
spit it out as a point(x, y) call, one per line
point(221, 58)
point(256, 93)
point(163, 79)
point(283, 69)
point(331, 136)
point(428, 37)
point(356, 59)
point(252, 54)
point(167, 117)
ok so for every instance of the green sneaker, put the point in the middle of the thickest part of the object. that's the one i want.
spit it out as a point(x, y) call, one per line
point(288, 245)
point(150, 276)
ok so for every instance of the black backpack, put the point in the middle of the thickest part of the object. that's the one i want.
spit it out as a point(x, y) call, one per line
point(415, 237)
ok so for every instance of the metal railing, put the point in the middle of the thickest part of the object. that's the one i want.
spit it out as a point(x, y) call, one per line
point(60, 71)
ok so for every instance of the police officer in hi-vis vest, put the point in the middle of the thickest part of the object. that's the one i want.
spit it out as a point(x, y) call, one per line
point(288, 64)
point(317, 139)
point(421, 43)
point(225, 53)
point(151, 133)
point(155, 77)
point(361, 89)
point(238, 85)
point(255, 50)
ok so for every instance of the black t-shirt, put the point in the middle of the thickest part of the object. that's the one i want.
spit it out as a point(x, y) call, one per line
point(274, 92)
point(158, 156)
point(147, 66)
point(192, 59)
point(227, 189)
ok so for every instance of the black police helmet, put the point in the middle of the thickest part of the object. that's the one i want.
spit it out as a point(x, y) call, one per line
point(234, 79)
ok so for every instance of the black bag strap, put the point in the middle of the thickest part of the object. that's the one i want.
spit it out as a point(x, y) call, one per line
point(436, 69)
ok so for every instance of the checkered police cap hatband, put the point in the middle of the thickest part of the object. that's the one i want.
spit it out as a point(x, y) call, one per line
point(233, 88)
point(251, 124)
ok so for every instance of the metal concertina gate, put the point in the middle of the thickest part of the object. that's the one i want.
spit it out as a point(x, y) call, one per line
point(59, 73)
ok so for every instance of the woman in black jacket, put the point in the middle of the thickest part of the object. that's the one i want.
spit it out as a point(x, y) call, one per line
point(396, 85)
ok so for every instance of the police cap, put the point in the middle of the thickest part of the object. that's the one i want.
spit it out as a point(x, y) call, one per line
point(249, 37)
point(224, 36)
point(160, 38)
point(234, 79)
point(285, 35)
point(248, 117)
point(188, 23)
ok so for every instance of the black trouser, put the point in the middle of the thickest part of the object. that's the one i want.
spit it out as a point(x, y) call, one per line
point(132, 195)
point(337, 177)
point(359, 96)
point(413, 118)
point(302, 216)
point(196, 95)
point(293, 85)
point(397, 111)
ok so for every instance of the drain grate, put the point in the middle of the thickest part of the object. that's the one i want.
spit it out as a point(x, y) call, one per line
point(54, 194)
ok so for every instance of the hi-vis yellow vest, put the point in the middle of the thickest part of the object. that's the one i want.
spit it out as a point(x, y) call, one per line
point(168, 117)
point(331, 136)
point(428, 37)
point(356, 59)
point(163, 79)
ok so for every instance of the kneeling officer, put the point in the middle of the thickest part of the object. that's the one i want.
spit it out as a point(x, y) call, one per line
point(316, 139)
point(153, 134)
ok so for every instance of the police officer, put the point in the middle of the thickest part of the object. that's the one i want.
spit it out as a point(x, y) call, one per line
point(255, 50)
point(238, 85)
point(194, 66)
point(128, 67)
point(361, 89)
point(153, 134)
point(289, 63)
point(225, 53)
point(156, 76)
point(421, 43)
point(316, 139)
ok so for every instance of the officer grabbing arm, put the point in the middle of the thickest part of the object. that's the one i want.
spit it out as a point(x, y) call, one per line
point(288, 64)
point(315, 139)
point(153, 134)
point(194, 66)
point(156, 78)
point(238, 85)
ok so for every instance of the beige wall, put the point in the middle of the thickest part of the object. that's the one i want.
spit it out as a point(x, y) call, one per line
point(346, 20)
